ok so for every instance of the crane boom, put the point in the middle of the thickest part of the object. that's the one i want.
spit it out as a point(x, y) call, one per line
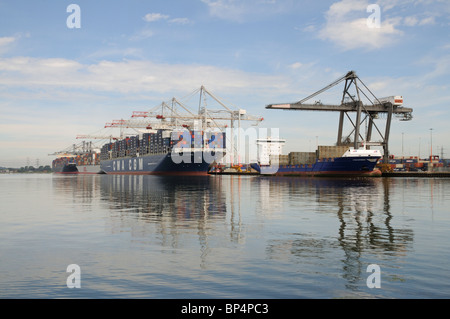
point(96, 137)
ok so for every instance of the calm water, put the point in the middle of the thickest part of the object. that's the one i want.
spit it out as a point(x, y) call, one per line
point(223, 237)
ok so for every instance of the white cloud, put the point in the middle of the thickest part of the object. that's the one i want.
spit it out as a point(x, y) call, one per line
point(128, 76)
point(6, 40)
point(296, 65)
point(346, 26)
point(226, 9)
point(411, 21)
point(72, 98)
point(439, 67)
point(142, 34)
point(5, 43)
point(346, 21)
point(114, 51)
point(152, 17)
point(309, 28)
point(180, 21)
point(339, 9)
point(428, 21)
point(240, 11)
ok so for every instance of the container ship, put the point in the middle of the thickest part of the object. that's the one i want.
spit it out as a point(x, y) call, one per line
point(83, 158)
point(88, 163)
point(323, 162)
point(163, 152)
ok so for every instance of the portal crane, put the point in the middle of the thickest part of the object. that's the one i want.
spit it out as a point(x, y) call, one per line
point(352, 103)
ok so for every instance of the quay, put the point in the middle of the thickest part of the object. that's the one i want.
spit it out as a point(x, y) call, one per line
point(426, 174)
point(416, 174)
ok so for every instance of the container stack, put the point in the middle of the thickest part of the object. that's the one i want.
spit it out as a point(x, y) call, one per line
point(325, 152)
point(197, 139)
point(161, 142)
point(215, 140)
point(122, 148)
point(144, 144)
point(86, 159)
point(105, 151)
point(133, 144)
point(61, 161)
point(180, 139)
point(302, 158)
point(158, 142)
point(281, 160)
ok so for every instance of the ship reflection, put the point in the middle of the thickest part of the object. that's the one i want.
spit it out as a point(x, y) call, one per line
point(321, 226)
point(81, 190)
point(178, 213)
point(153, 198)
point(365, 225)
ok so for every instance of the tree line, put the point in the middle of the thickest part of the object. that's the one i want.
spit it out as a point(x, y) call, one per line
point(31, 169)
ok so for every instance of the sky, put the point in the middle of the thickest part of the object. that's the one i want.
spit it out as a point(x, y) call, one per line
point(63, 74)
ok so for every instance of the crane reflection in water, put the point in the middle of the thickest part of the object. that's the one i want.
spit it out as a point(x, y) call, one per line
point(332, 228)
point(363, 227)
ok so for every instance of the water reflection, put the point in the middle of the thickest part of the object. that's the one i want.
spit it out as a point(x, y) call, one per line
point(365, 225)
point(154, 197)
point(166, 211)
point(80, 189)
point(319, 227)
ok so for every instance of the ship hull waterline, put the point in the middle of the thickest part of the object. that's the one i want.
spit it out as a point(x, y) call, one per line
point(337, 167)
point(78, 169)
point(158, 164)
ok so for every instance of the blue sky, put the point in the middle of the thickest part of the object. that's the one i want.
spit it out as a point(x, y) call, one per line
point(57, 82)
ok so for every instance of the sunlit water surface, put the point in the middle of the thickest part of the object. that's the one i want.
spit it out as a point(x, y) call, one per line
point(223, 237)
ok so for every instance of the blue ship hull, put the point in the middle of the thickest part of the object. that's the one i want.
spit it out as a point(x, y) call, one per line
point(340, 166)
point(157, 164)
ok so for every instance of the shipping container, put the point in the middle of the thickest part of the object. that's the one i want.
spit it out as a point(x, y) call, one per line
point(296, 158)
point(331, 151)
point(279, 159)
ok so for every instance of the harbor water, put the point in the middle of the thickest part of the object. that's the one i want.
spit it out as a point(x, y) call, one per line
point(227, 237)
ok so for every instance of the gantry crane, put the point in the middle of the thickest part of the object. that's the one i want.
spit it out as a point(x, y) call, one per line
point(204, 114)
point(76, 149)
point(97, 137)
point(174, 115)
point(352, 103)
point(169, 113)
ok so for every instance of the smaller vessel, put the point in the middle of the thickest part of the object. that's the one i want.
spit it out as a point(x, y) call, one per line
point(77, 164)
point(81, 160)
point(64, 165)
point(354, 162)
